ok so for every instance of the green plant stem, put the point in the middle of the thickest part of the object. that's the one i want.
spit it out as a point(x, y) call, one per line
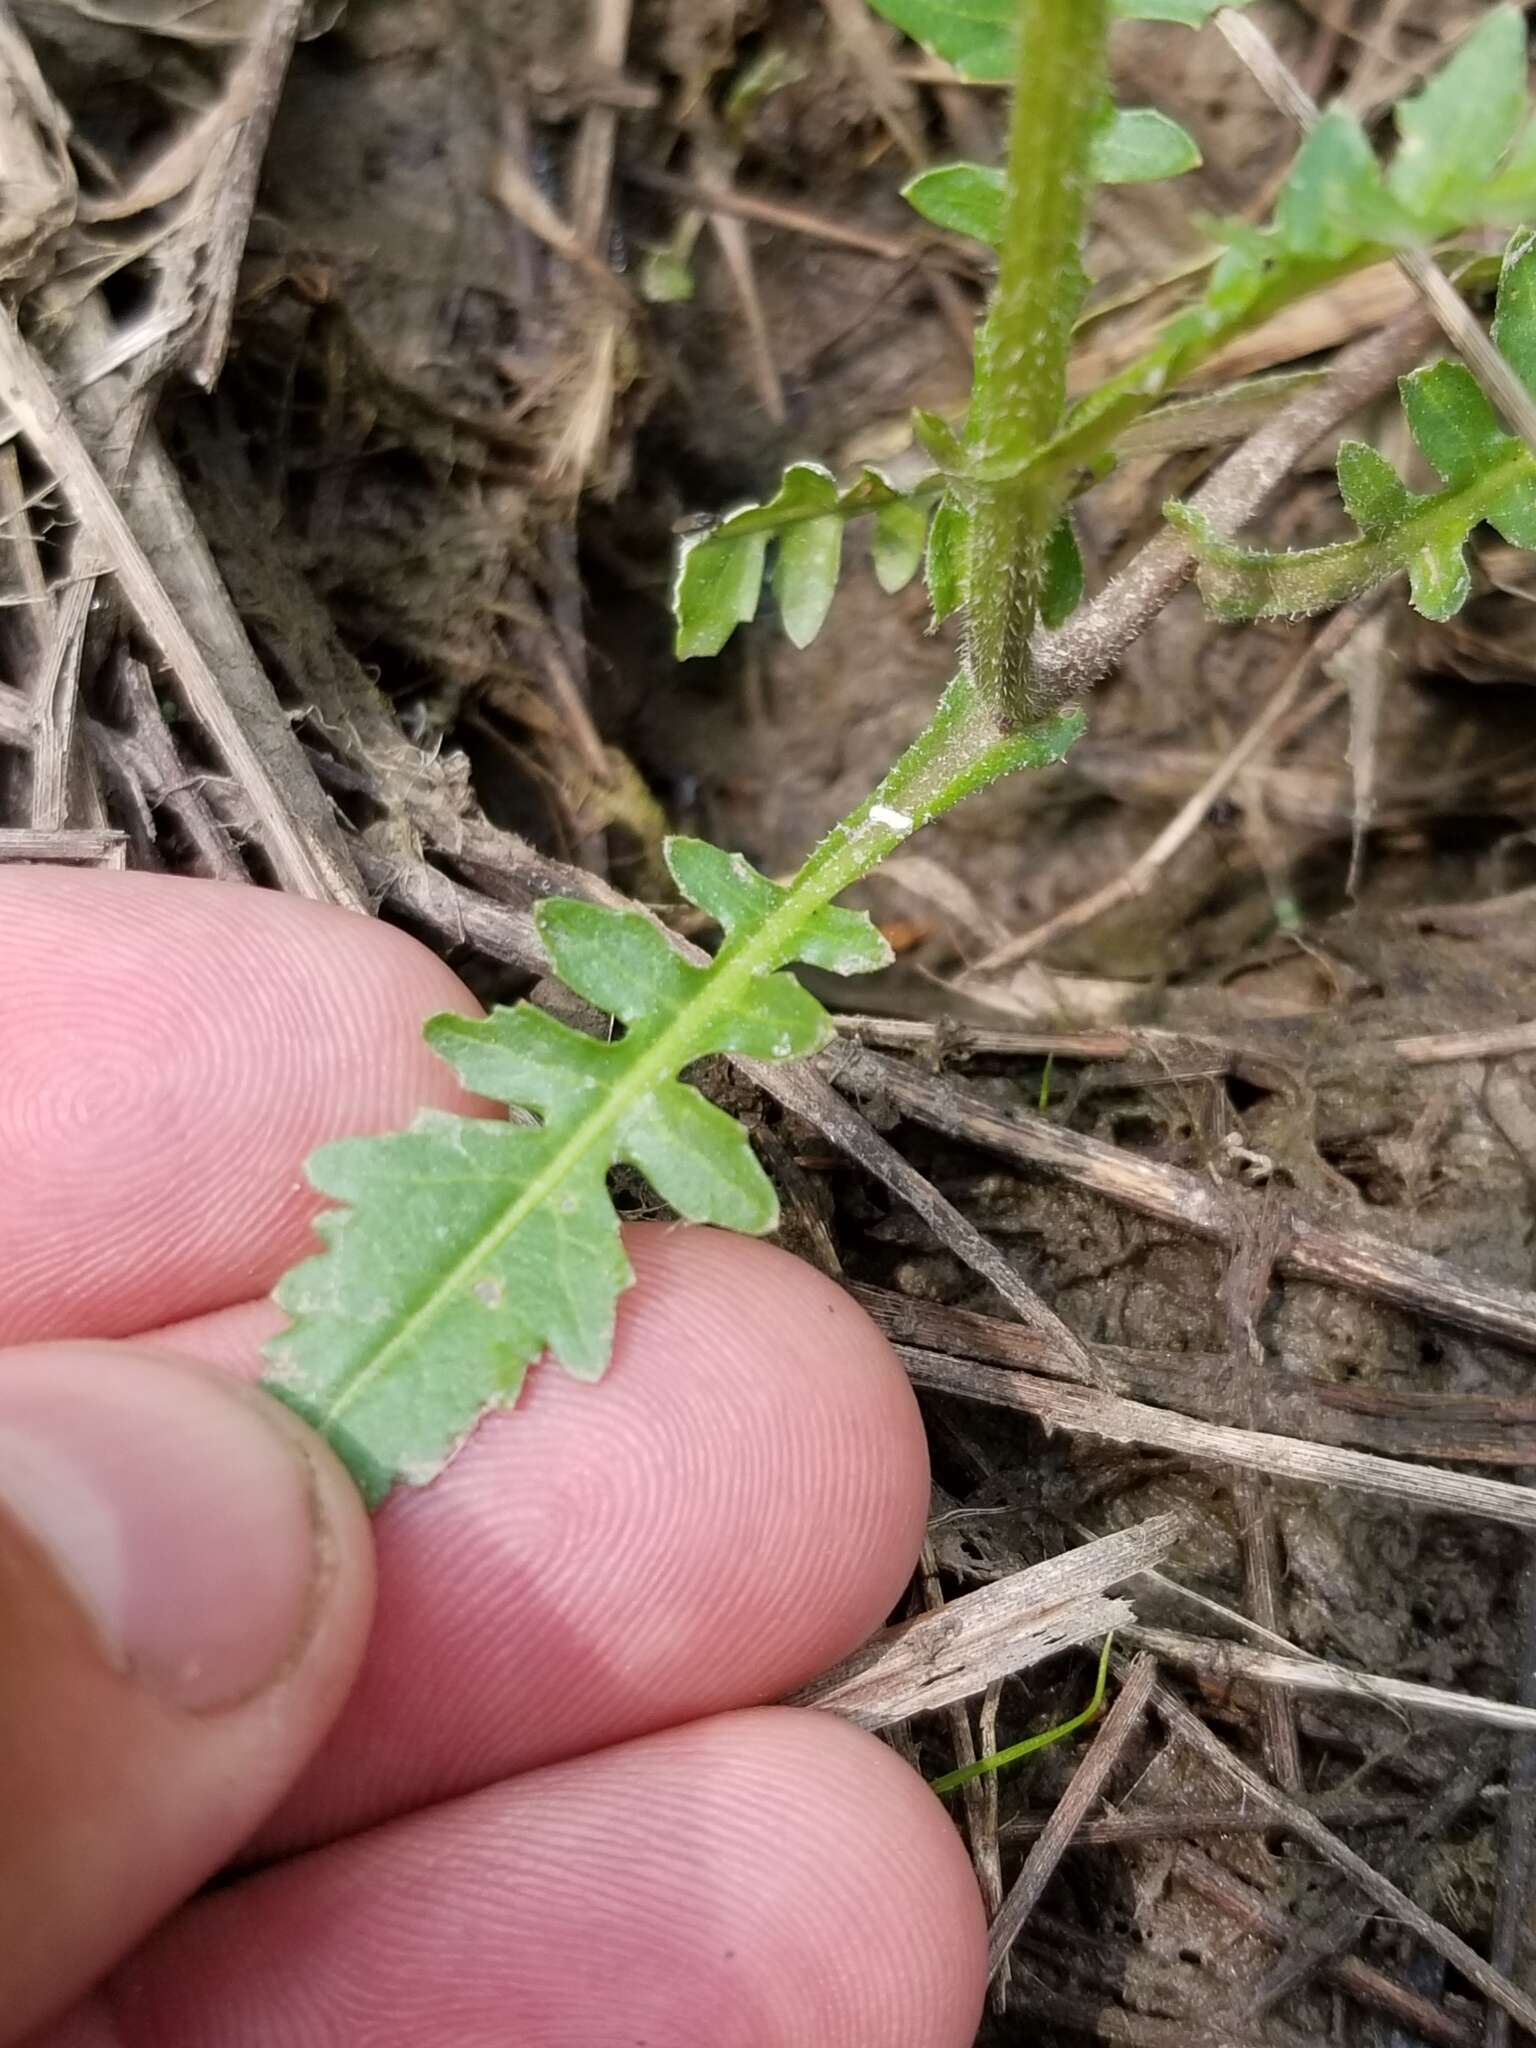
point(1020, 385)
point(1001, 1758)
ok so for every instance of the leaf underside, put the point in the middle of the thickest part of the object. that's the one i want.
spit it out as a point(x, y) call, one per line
point(465, 1247)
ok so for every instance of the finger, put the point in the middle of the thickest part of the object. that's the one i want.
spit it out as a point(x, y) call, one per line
point(173, 1050)
point(185, 1583)
point(734, 1507)
point(766, 1880)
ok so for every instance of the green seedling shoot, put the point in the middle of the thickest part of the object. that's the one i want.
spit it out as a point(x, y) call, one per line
point(1001, 1759)
point(461, 1250)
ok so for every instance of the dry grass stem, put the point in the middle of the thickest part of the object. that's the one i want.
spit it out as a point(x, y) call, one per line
point(1000, 1629)
point(1224, 1663)
point(1085, 1412)
point(1189, 1729)
point(1310, 1250)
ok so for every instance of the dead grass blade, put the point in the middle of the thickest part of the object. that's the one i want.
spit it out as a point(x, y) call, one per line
point(1001, 1628)
point(1086, 1412)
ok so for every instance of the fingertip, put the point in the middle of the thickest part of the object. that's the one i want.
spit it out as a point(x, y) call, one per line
point(733, 1508)
point(758, 1311)
point(765, 1879)
point(174, 1050)
point(185, 1587)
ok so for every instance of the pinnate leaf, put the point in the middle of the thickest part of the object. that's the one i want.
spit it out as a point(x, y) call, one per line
point(730, 890)
point(1487, 474)
point(720, 568)
point(464, 1248)
point(1458, 431)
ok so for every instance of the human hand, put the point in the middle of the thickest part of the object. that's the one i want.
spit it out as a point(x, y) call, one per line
point(551, 1812)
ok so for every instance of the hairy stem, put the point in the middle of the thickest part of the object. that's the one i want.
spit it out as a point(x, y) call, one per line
point(1021, 354)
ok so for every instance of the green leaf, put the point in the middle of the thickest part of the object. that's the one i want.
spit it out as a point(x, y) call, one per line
point(720, 571)
point(698, 1159)
point(1334, 200)
point(1062, 591)
point(967, 199)
point(1133, 145)
point(1438, 578)
point(1456, 131)
point(901, 533)
point(948, 546)
point(1514, 320)
point(810, 552)
point(1512, 194)
point(1375, 496)
point(736, 896)
point(666, 277)
point(976, 36)
point(1458, 431)
point(616, 959)
point(465, 1248)
point(716, 589)
point(1137, 144)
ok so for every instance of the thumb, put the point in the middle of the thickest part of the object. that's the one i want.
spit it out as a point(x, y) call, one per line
point(186, 1581)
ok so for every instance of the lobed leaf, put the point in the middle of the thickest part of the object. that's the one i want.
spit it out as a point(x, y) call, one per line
point(1486, 472)
point(465, 1248)
point(1460, 435)
point(719, 575)
point(730, 890)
